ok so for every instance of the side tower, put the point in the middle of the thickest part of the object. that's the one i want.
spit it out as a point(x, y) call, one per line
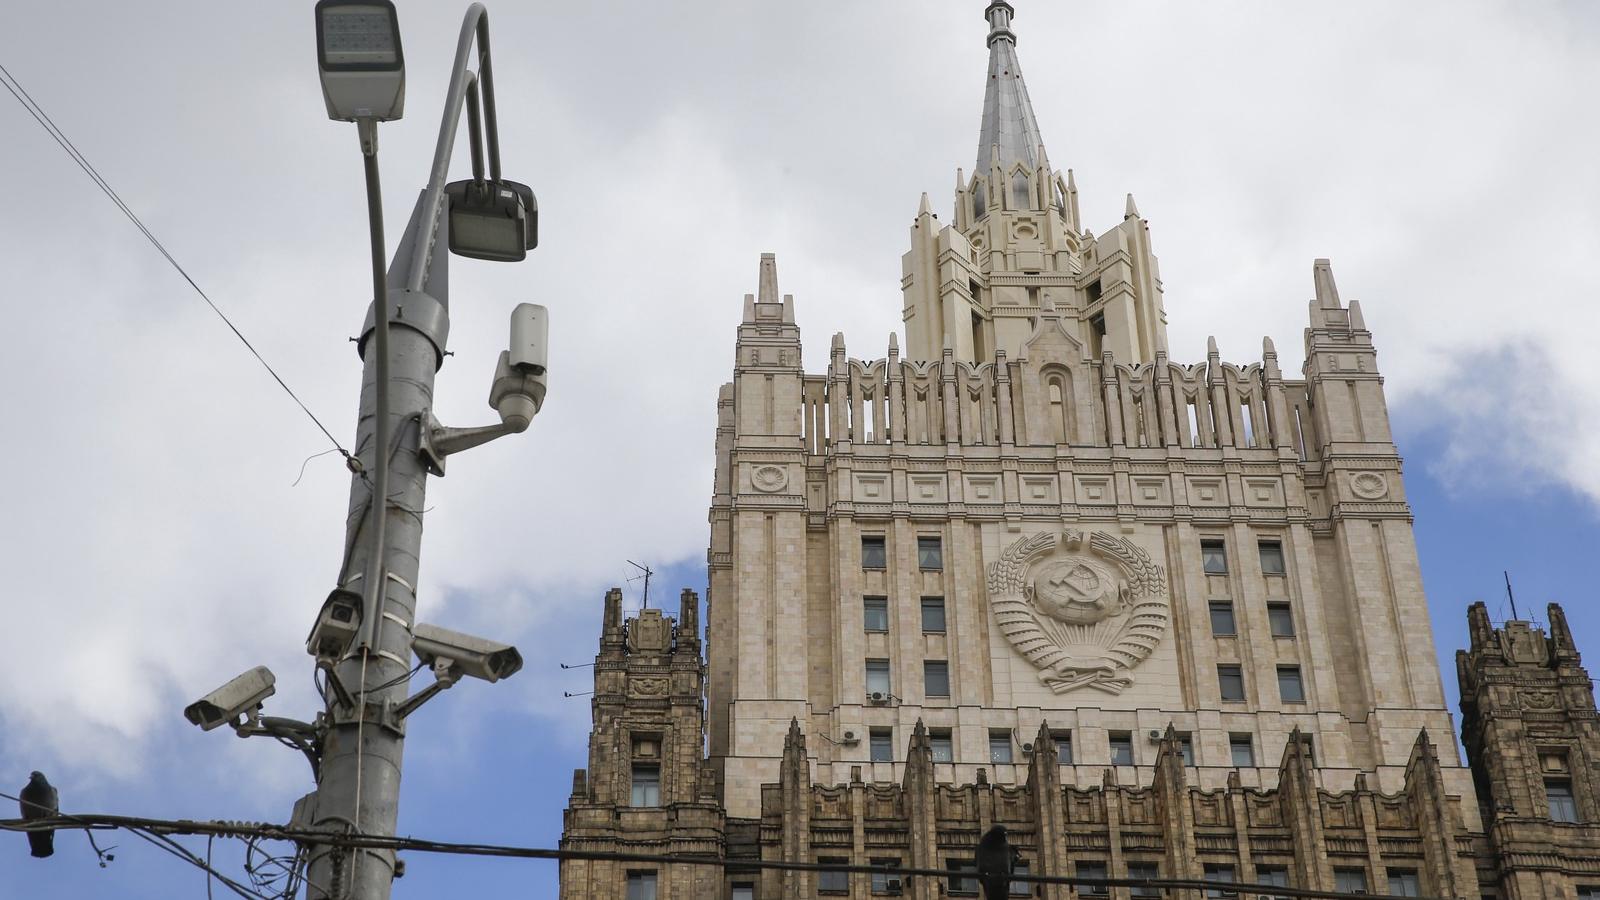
point(1016, 246)
point(648, 788)
point(1532, 739)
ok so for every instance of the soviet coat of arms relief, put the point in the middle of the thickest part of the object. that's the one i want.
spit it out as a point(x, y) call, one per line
point(1086, 608)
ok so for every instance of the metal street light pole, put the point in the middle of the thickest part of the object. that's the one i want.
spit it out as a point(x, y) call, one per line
point(398, 441)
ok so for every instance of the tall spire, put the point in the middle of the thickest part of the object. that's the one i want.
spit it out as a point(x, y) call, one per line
point(1008, 121)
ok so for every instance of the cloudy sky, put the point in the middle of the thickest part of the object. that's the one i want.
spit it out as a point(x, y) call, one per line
point(154, 543)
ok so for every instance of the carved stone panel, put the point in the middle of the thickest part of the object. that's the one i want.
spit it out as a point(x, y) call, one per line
point(1086, 608)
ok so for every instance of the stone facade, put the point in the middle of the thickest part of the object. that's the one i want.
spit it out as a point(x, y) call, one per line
point(1145, 613)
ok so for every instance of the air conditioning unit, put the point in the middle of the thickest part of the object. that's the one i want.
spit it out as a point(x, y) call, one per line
point(1155, 735)
point(893, 886)
point(878, 697)
point(850, 738)
point(1027, 747)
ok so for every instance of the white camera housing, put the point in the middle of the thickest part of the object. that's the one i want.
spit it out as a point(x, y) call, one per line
point(452, 653)
point(240, 697)
point(338, 623)
point(517, 393)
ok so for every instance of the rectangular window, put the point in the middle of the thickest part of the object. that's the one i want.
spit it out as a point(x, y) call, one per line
point(641, 886)
point(1186, 749)
point(1290, 688)
point(1063, 741)
point(1403, 883)
point(873, 553)
point(743, 891)
point(1214, 556)
point(1021, 888)
point(1585, 892)
point(1276, 876)
point(1563, 806)
point(1222, 624)
point(833, 882)
point(943, 747)
point(963, 884)
point(1144, 870)
point(1350, 881)
point(936, 677)
point(933, 615)
point(646, 785)
point(880, 741)
point(1271, 557)
point(1219, 872)
point(875, 613)
point(878, 680)
point(999, 746)
point(930, 554)
point(1230, 679)
point(1281, 618)
point(1243, 750)
point(880, 880)
point(1092, 869)
point(1121, 748)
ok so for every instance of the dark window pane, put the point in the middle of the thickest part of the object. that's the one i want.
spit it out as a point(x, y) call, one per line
point(1021, 888)
point(942, 746)
point(1144, 870)
point(1063, 741)
point(641, 886)
point(833, 882)
point(1096, 870)
point(1403, 883)
point(933, 614)
point(1290, 689)
point(999, 746)
point(962, 884)
point(875, 613)
point(881, 744)
point(1281, 618)
point(646, 785)
point(1214, 555)
point(878, 679)
point(1186, 749)
point(1231, 680)
point(743, 892)
point(1121, 748)
point(1222, 618)
point(1271, 558)
point(1217, 872)
point(873, 554)
point(1350, 881)
point(1244, 753)
point(1563, 806)
point(936, 677)
point(930, 554)
point(880, 880)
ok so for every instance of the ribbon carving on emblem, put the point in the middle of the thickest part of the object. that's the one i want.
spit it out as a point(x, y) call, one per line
point(1085, 609)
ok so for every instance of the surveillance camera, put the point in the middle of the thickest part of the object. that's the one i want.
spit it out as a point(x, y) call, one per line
point(239, 697)
point(519, 378)
point(337, 625)
point(463, 654)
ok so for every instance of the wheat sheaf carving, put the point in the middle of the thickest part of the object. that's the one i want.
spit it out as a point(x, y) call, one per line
point(1095, 655)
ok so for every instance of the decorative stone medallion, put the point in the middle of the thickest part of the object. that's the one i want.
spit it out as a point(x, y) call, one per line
point(1084, 608)
point(1369, 485)
point(769, 478)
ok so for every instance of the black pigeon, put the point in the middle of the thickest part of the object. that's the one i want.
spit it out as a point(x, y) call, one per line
point(40, 801)
point(997, 859)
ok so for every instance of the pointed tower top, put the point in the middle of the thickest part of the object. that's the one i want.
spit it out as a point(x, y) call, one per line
point(769, 279)
point(924, 208)
point(1131, 211)
point(1008, 128)
point(1327, 291)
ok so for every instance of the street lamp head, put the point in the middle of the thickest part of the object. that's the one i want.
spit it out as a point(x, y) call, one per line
point(358, 54)
point(494, 220)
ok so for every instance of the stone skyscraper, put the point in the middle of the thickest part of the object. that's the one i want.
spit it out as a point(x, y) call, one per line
point(1158, 618)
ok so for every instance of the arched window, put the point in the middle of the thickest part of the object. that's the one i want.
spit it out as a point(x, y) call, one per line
point(1056, 394)
point(1021, 191)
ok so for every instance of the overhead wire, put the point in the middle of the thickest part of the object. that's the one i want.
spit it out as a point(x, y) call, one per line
point(39, 115)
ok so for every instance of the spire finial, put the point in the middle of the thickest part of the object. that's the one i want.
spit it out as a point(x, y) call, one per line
point(769, 279)
point(999, 14)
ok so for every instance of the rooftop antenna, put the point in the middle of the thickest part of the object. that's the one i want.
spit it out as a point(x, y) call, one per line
point(646, 577)
point(1510, 596)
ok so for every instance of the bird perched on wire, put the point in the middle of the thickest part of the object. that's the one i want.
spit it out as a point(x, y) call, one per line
point(997, 860)
point(40, 801)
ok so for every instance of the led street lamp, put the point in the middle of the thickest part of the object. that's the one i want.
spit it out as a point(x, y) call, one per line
point(493, 220)
point(358, 52)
